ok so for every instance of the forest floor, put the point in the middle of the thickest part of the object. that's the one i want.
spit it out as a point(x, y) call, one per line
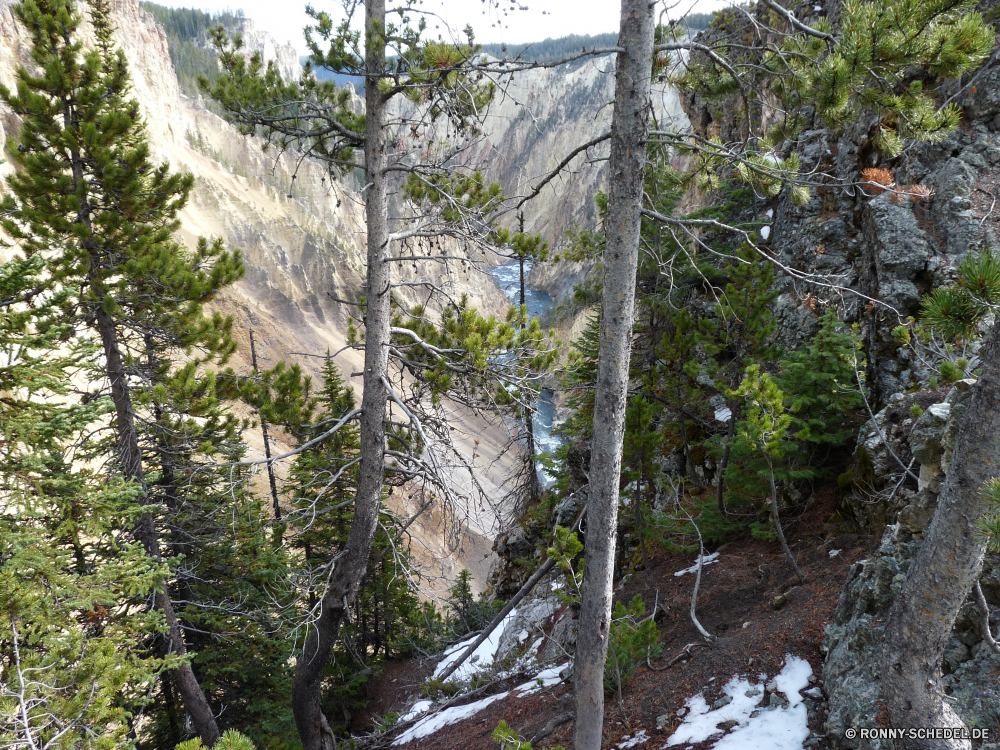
point(738, 602)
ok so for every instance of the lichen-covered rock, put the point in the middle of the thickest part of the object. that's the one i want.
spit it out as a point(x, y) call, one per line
point(925, 437)
point(853, 641)
point(852, 644)
point(926, 445)
point(561, 643)
point(916, 515)
point(898, 248)
point(852, 647)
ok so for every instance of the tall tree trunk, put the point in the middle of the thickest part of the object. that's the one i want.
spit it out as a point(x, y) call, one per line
point(130, 456)
point(627, 169)
point(922, 617)
point(534, 488)
point(314, 731)
point(278, 528)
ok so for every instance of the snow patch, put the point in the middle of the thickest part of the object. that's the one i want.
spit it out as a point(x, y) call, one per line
point(482, 657)
point(765, 232)
point(639, 738)
point(452, 715)
point(780, 728)
point(705, 560)
point(431, 724)
point(415, 710)
point(548, 678)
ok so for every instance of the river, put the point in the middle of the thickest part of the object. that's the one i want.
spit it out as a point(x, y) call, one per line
point(508, 278)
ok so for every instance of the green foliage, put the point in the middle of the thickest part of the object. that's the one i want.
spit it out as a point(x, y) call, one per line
point(489, 360)
point(956, 312)
point(884, 58)
point(566, 547)
point(579, 379)
point(820, 385)
point(435, 688)
point(470, 614)
point(507, 738)
point(95, 216)
point(633, 638)
point(230, 740)
point(759, 443)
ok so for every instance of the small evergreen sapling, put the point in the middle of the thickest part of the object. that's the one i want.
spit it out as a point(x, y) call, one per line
point(763, 430)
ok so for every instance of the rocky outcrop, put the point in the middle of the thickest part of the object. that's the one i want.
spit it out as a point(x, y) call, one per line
point(284, 56)
point(852, 644)
point(890, 249)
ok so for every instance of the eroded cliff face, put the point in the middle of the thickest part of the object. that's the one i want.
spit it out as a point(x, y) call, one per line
point(304, 244)
point(536, 119)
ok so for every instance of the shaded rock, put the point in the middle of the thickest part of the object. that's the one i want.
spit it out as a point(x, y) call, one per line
point(925, 444)
point(917, 515)
point(561, 643)
point(899, 249)
point(532, 620)
point(925, 438)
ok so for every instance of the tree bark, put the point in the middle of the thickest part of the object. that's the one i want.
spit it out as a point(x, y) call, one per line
point(534, 488)
point(923, 615)
point(625, 189)
point(267, 451)
point(130, 456)
point(313, 728)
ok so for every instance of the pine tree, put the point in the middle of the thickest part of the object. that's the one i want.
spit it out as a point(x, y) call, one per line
point(385, 621)
point(579, 379)
point(762, 431)
point(89, 200)
point(640, 449)
point(820, 383)
point(75, 670)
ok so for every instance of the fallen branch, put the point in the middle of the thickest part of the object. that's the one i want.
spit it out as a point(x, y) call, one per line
point(539, 574)
point(682, 655)
point(554, 723)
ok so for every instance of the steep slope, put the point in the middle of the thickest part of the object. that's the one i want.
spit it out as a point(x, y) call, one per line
point(303, 241)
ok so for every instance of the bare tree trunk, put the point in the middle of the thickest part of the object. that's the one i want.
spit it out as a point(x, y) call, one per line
point(534, 486)
point(267, 450)
point(923, 615)
point(777, 522)
point(626, 173)
point(314, 731)
point(130, 456)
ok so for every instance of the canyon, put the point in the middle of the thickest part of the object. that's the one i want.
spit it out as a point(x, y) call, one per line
point(302, 233)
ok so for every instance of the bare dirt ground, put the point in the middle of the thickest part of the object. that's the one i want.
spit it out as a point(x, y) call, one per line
point(736, 603)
